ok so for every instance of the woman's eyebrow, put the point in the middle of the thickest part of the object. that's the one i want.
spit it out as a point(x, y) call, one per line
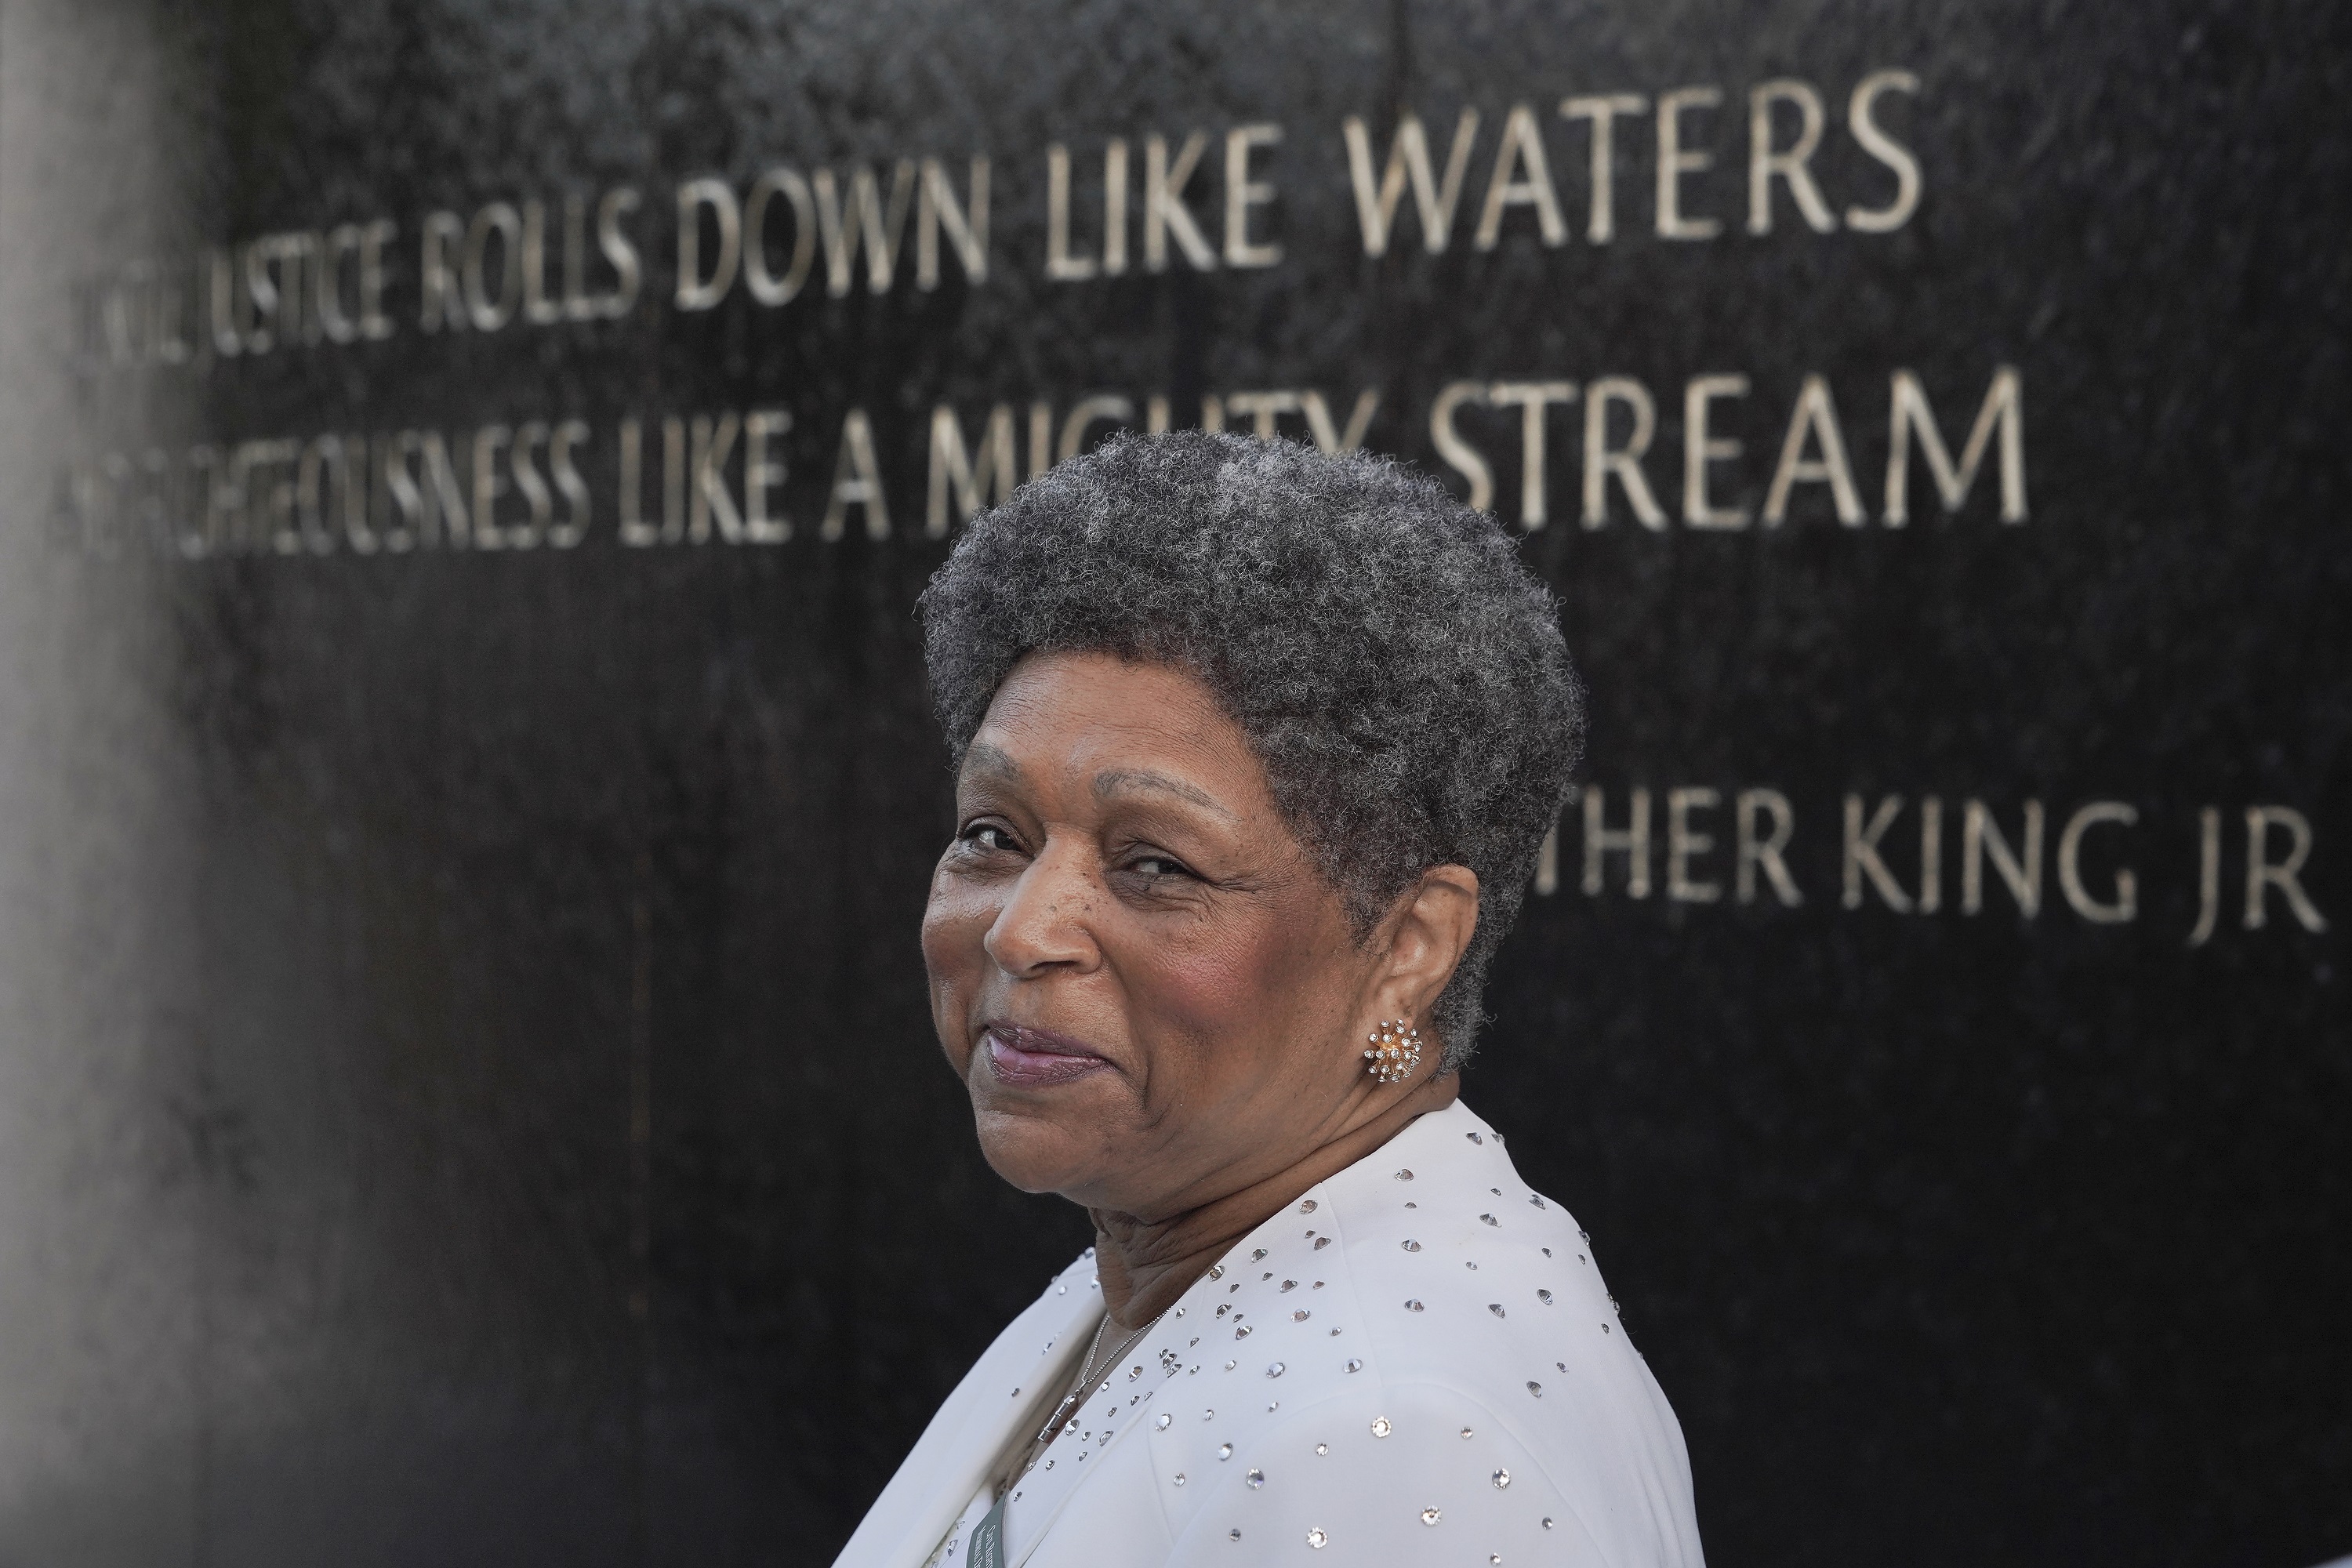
point(991, 762)
point(1115, 780)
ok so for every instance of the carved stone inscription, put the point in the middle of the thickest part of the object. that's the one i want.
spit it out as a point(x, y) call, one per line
point(500, 443)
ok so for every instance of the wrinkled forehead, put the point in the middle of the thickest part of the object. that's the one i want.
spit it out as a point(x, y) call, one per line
point(1111, 728)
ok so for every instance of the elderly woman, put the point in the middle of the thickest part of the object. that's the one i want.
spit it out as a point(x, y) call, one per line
point(1255, 752)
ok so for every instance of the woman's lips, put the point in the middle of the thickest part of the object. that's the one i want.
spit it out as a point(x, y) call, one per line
point(1027, 1057)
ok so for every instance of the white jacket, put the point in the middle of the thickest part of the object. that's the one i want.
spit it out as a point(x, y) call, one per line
point(1416, 1363)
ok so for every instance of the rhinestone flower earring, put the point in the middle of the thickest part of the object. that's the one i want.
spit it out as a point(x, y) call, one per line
point(1396, 1050)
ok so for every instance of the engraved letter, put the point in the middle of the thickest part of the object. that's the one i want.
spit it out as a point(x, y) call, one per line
point(697, 290)
point(2209, 874)
point(1164, 211)
point(574, 304)
point(395, 490)
point(229, 305)
point(531, 534)
point(573, 489)
point(276, 523)
point(1700, 449)
point(2070, 865)
point(1682, 845)
point(764, 285)
point(1601, 460)
point(1886, 149)
point(1531, 397)
point(1263, 408)
point(620, 250)
point(1861, 858)
point(342, 240)
point(488, 485)
point(1114, 262)
point(324, 468)
point(1931, 854)
point(1459, 454)
point(1674, 162)
point(714, 443)
point(1980, 836)
point(1060, 265)
point(1319, 419)
point(1041, 438)
point(1408, 155)
point(1765, 163)
point(1907, 412)
point(762, 475)
point(1633, 840)
point(1242, 192)
point(1766, 851)
point(865, 222)
point(966, 224)
point(443, 302)
point(445, 498)
point(1601, 223)
point(1816, 416)
point(1522, 142)
point(2262, 873)
point(538, 307)
point(856, 481)
point(1084, 415)
point(261, 290)
point(634, 531)
point(674, 479)
point(493, 311)
point(374, 323)
point(954, 469)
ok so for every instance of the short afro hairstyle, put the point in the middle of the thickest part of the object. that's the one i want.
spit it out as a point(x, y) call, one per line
point(1398, 672)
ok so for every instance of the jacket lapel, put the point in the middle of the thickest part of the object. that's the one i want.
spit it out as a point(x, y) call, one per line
point(1180, 1345)
point(954, 1454)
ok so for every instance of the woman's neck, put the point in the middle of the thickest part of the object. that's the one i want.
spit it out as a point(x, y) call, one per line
point(1146, 1266)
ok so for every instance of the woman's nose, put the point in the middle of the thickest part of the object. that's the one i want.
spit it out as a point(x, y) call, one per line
point(1044, 922)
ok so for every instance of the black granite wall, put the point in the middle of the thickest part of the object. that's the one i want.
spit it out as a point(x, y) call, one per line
point(548, 1156)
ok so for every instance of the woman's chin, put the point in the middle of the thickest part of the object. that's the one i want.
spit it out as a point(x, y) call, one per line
point(1040, 1153)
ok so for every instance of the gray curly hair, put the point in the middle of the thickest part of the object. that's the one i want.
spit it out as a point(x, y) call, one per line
point(1398, 673)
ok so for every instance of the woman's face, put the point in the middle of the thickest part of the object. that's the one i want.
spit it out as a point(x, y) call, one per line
point(1152, 994)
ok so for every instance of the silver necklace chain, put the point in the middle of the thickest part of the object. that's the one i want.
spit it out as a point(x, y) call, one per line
point(1087, 1372)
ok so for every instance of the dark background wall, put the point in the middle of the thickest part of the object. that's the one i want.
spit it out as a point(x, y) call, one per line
point(469, 1091)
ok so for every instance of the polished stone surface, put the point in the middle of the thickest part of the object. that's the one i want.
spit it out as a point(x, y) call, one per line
point(472, 1096)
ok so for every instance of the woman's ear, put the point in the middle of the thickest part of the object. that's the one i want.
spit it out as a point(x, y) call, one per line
point(1433, 926)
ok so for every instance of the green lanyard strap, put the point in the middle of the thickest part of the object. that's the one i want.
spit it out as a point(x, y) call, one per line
point(986, 1548)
